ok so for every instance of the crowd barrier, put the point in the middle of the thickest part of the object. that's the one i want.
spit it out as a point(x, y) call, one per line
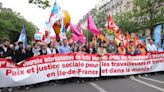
point(61, 66)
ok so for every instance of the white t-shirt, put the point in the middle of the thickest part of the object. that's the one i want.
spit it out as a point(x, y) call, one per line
point(151, 47)
point(48, 51)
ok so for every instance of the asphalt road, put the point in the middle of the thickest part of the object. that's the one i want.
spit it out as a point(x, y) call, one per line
point(143, 83)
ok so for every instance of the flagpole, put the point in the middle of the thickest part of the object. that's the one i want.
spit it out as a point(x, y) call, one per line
point(23, 28)
point(87, 37)
point(22, 36)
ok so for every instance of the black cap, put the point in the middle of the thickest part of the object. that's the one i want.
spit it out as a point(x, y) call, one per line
point(20, 43)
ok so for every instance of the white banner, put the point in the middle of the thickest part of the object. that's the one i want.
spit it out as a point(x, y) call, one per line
point(61, 66)
point(118, 65)
point(48, 67)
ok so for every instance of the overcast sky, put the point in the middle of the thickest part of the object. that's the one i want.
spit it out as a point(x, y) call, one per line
point(38, 16)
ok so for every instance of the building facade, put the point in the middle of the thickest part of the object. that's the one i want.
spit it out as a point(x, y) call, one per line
point(0, 5)
point(111, 7)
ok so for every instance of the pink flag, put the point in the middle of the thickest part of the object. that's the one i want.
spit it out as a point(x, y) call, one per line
point(83, 39)
point(74, 30)
point(92, 27)
point(79, 28)
point(75, 37)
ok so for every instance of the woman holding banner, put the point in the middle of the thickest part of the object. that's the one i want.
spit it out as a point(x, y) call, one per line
point(140, 49)
point(44, 49)
point(101, 50)
point(121, 48)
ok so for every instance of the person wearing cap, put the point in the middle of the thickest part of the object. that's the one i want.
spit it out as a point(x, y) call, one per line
point(20, 53)
point(130, 48)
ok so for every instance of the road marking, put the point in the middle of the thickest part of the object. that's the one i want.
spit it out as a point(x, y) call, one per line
point(100, 89)
point(147, 84)
point(154, 80)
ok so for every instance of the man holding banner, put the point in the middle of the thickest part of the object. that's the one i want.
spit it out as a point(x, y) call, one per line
point(151, 47)
point(20, 53)
point(65, 48)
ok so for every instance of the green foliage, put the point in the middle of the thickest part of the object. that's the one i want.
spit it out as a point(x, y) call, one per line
point(101, 19)
point(88, 35)
point(68, 34)
point(11, 26)
point(145, 14)
point(148, 13)
point(41, 3)
point(125, 23)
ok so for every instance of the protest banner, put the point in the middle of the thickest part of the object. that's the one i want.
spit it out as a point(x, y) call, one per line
point(61, 66)
point(87, 65)
point(118, 65)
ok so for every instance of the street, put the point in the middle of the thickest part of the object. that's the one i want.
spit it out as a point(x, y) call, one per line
point(138, 83)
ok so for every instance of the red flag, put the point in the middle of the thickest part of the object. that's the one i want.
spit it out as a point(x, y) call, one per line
point(120, 36)
point(112, 27)
point(102, 37)
point(136, 40)
point(128, 38)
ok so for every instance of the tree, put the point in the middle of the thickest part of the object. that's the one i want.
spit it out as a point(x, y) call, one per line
point(11, 26)
point(68, 34)
point(148, 13)
point(88, 35)
point(41, 3)
point(101, 21)
point(125, 22)
point(145, 14)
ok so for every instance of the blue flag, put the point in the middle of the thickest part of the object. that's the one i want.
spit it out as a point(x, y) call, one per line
point(63, 31)
point(157, 34)
point(163, 44)
point(22, 36)
point(63, 28)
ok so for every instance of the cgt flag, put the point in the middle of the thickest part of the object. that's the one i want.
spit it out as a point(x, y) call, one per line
point(112, 27)
point(128, 38)
point(22, 36)
point(138, 41)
